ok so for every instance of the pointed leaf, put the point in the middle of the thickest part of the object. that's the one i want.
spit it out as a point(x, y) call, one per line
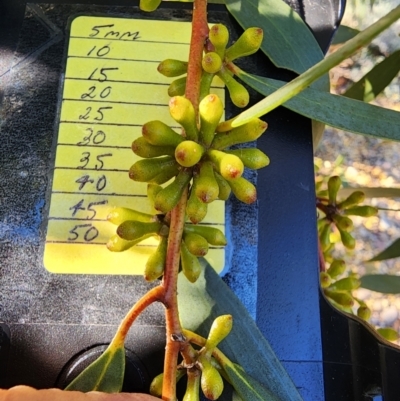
point(288, 42)
point(105, 374)
point(305, 79)
point(385, 283)
point(392, 251)
point(375, 81)
point(336, 111)
point(343, 34)
point(200, 303)
point(374, 192)
point(247, 387)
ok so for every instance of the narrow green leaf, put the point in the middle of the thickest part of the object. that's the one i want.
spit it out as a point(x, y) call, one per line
point(343, 34)
point(247, 387)
point(384, 283)
point(336, 111)
point(304, 80)
point(375, 81)
point(288, 42)
point(105, 374)
point(392, 251)
point(374, 192)
point(200, 303)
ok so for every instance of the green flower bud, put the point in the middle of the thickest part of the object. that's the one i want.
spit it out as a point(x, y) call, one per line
point(119, 214)
point(211, 380)
point(172, 68)
point(334, 185)
point(211, 63)
point(342, 222)
point(363, 211)
point(248, 43)
point(337, 268)
point(341, 298)
point(214, 236)
point(348, 240)
point(345, 284)
point(149, 5)
point(155, 263)
point(251, 157)
point(206, 188)
point(219, 37)
point(205, 84)
point(177, 87)
point(211, 110)
point(193, 386)
point(196, 244)
point(229, 166)
point(188, 153)
point(182, 111)
point(324, 279)
point(169, 196)
point(388, 333)
point(190, 264)
point(147, 169)
point(324, 236)
point(238, 93)
point(196, 210)
point(220, 328)
point(157, 383)
point(364, 312)
point(167, 173)
point(224, 188)
point(152, 191)
point(354, 199)
point(117, 244)
point(143, 149)
point(244, 190)
point(159, 134)
point(245, 133)
point(132, 230)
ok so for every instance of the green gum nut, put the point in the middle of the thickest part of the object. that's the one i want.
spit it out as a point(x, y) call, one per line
point(143, 149)
point(364, 312)
point(196, 210)
point(172, 68)
point(159, 134)
point(224, 188)
point(341, 298)
point(343, 222)
point(337, 268)
point(238, 93)
point(211, 110)
point(248, 43)
point(211, 381)
point(117, 244)
point(177, 87)
point(388, 333)
point(354, 199)
point(157, 385)
point(169, 196)
point(245, 133)
point(347, 239)
point(190, 264)
point(324, 236)
point(363, 211)
point(244, 190)
point(211, 62)
point(229, 166)
point(251, 157)
point(147, 169)
point(196, 244)
point(152, 191)
point(334, 184)
point(149, 5)
point(214, 236)
point(220, 328)
point(132, 230)
point(119, 214)
point(345, 284)
point(324, 279)
point(206, 188)
point(188, 153)
point(155, 263)
point(167, 173)
point(192, 386)
point(219, 37)
point(182, 111)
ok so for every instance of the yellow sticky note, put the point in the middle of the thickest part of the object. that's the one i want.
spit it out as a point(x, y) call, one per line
point(111, 88)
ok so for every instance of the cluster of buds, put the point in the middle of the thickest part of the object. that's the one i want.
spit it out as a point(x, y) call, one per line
point(202, 371)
